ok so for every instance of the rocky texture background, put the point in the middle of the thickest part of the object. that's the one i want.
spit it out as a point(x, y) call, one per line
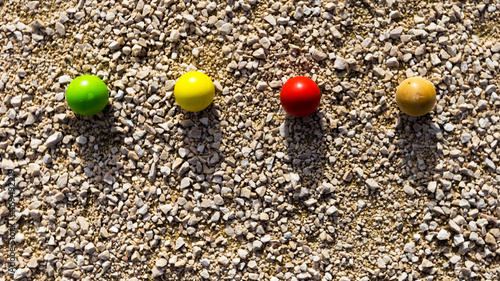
point(240, 191)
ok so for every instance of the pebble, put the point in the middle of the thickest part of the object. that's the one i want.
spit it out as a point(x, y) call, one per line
point(205, 262)
point(185, 183)
point(242, 253)
point(218, 200)
point(54, 139)
point(392, 62)
point(79, 15)
point(142, 74)
point(65, 79)
point(275, 84)
point(259, 53)
point(454, 259)
point(179, 243)
point(458, 240)
point(21, 73)
point(366, 42)
point(455, 227)
point(261, 86)
point(465, 138)
point(270, 19)
point(224, 261)
point(299, 13)
point(110, 16)
point(19, 238)
point(32, 5)
point(409, 190)
point(21, 273)
point(33, 263)
point(60, 29)
point(372, 184)
point(482, 104)
point(319, 55)
point(394, 15)
point(226, 29)
point(488, 163)
point(435, 59)
point(443, 235)
point(137, 50)
point(339, 64)
point(361, 204)
point(336, 34)
point(379, 71)
point(449, 127)
point(81, 140)
point(204, 274)
point(16, 101)
point(426, 263)
point(332, 210)
point(90, 248)
point(409, 247)
point(161, 262)
point(396, 33)
point(175, 35)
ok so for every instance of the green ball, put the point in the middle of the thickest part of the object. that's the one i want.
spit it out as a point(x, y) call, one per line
point(87, 95)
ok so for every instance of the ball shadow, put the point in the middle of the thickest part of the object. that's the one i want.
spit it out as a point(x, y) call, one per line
point(306, 154)
point(201, 135)
point(417, 140)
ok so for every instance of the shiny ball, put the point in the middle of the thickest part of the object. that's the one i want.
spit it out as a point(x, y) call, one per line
point(300, 96)
point(87, 95)
point(194, 91)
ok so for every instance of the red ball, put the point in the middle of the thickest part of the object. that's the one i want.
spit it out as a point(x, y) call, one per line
point(300, 96)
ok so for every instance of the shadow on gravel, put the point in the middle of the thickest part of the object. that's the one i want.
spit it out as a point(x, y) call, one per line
point(202, 135)
point(306, 148)
point(98, 141)
point(417, 141)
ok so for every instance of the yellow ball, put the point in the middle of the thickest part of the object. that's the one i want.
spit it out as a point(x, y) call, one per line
point(194, 91)
point(416, 96)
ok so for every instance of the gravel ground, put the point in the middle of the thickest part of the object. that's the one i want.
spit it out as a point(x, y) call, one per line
point(241, 191)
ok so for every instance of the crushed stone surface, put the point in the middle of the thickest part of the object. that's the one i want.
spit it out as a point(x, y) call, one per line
point(241, 191)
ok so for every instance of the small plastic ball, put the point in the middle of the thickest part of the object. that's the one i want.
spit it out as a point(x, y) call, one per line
point(87, 95)
point(194, 91)
point(300, 96)
point(416, 96)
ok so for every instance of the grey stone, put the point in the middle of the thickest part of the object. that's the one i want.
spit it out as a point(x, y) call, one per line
point(392, 62)
point(340, 64)
point(259, 53)
point(372, 184)
point(54, 139)
point(318, 55)
point(60, 28)
point(179, 243)
point(226, 29)
point(443, 235)
point(270, 19)
point(261, 86)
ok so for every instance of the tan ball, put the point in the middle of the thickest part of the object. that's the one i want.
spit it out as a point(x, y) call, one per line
point(416, 96)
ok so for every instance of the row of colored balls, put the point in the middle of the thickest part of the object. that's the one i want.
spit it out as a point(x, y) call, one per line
point(194, 91)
